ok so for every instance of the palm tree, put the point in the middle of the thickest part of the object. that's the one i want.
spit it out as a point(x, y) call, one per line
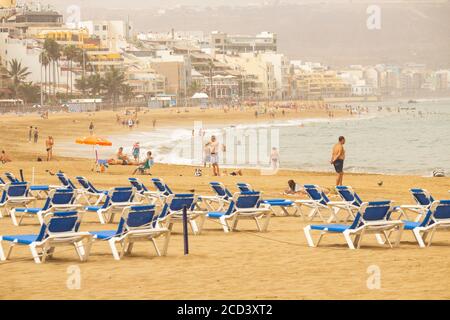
point(17, 73)
point(113, 83)
point(52, 49)
point(95, 84)
point(45, 61)
point(70, 53)
point(127, 92)
point(29, 92)
point(82, 85)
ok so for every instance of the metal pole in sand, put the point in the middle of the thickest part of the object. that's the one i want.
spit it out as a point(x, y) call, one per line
point(185, 231)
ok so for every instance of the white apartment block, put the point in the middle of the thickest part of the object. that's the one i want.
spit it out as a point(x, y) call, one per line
point(113, 34)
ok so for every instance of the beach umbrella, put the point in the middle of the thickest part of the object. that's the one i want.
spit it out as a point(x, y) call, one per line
point(94, 141)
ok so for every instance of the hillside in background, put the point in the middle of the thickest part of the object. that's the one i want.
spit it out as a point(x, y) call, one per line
point(332, 32)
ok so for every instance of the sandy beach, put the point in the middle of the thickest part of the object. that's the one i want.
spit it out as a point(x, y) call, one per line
point(241, 265)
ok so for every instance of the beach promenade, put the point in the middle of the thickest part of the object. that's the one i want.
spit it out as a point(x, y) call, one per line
point(240, 265)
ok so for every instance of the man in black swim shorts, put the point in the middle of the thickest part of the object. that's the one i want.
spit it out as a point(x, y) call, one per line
point(337, 159)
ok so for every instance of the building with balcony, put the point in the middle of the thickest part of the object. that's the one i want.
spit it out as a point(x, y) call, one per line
point(145, 82)
point(222, 42)
point(316, 86)
point(112, 34)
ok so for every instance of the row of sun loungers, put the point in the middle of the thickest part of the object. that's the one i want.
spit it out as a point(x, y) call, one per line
point(146, 215)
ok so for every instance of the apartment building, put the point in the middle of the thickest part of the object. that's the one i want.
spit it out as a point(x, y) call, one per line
point(222, 42)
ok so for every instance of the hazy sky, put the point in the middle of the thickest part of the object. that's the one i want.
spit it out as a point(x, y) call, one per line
point(330, 31)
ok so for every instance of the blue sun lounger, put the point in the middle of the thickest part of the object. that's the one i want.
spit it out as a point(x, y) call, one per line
point(437, 217)
point(15, 194)
point(243, 206)
point(116, 200)
point(40, 192)
point(137, 224)
point(143, 192)
point(162, 189)
point(283, 204)
point(163, 192)
point(65, 181)
point(221, 198)
point(423, 200)
point(58, 229)
point(372, 218)
point(319, 202)
point(90, 193)
point(11, 177)
point(172, 211)
point(58, 200)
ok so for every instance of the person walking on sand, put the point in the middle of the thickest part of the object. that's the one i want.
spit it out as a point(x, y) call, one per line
point(30, 134)
point(337, 159)
point(214, 147)
point(35, 135)
point(49, 147)
point(91, 128)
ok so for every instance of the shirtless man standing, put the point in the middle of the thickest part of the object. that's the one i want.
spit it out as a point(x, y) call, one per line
point(214, 155)
point(337, 159)
point(49, 147)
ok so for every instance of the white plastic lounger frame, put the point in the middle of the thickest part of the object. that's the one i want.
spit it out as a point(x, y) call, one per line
point(239, 209)
point(172, 211)
point(90, 193)
point(58, 200)
point(319, 202)
point(437, 217)
point(59, 229)
point(129, 232)
point(14, 195)
point(423, 199)
point(142, 191)
point(373, 218)
point(114, 204)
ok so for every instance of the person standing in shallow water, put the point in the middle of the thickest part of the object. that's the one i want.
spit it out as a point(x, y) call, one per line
point(337, 159)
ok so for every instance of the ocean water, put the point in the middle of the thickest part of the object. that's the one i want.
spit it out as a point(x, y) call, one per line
point(402, 138)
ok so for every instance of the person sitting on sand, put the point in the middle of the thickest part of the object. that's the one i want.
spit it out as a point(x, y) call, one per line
point(4, 158)
point(146, 165)
point(122, 157)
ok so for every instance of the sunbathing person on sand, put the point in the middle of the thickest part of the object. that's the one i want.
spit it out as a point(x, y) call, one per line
point(295, 189)
point(4, 158)
point(122, 157)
